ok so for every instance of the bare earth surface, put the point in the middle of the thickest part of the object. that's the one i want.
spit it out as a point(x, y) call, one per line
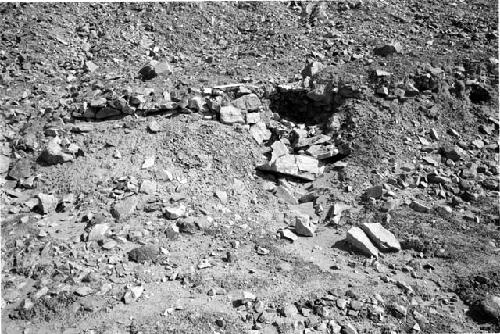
point(205, 167)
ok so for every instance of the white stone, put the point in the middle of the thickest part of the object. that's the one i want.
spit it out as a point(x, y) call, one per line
point(359, 240)
point(382, 237)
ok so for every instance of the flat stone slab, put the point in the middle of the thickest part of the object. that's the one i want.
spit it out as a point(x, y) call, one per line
point(359, 240)
point(383, 238)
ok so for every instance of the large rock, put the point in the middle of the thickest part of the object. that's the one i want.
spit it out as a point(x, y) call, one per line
point(359, 240)
point(153, 69)
point(304, 226)
point(98, 232)
point(491, 306)
point(230, 115)
point(47, 203)
point(144, 253)
point(383, 238)
point(21, 169)
point(53, 153)
point(388, 49)
point(260, 132)
point(249, 102)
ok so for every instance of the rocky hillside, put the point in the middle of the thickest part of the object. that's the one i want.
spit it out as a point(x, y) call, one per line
point(250, 167)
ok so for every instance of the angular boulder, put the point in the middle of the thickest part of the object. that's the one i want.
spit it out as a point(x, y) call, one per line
point(383, 238)
point(359, 240)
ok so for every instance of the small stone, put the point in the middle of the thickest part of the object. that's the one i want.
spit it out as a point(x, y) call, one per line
point(83, 291)
point(419, 207)
point(230, 114)
point(98, 232)
point(148, 163)
point(398, 311)
point(287, 234)
point(222, 196)
point(99, 102)
point(246, 296)
point(132, 294)
point(110, 244)
point(434, 134)
point(154, 127)
point(148, 187)
point(117, 154)
point(90, 66)
point(304, 226)
point(253, 118)
point(144, 253)
point(374, 192)
point(453, 153)
point(175, 212)
point(124, 208)
point(82, 128)
point(20, 170)
point(348, 329)
point(172, 231)
point(53, 153)
point(383, 238)
point(47, 203)
point(196, 103)
point(359, 240)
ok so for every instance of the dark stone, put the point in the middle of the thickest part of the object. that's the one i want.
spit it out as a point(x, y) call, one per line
point(144, 253)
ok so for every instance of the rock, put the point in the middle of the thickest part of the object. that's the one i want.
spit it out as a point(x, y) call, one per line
point(286, 194)
point(312, 68)
point(249, 102)
point(53, 153)
point(322, 152)
point(148, 163)
point(260, 132)
point(90, 66)
point(99, 102)
point(419, 207)
point(4, 164)
point(434, 134)
point(388, 49)
point(153, 69)
point(144, 253)
point(20, 170)
point(230, 114)
point(383, 238)
point(246, 297)
point(148, 187)
point(253, 118)
point(172, 231)
point(124, 208)
point(82, 128)
point(222, 196)
point(83, 291)
point(491, 306)
point(154, 127)
point(110, 244)
point(304, 226)
point(174, 212)
point(300, 166)
point(348, 329)
point(453, 153)
point(374, 192)
point(359, 240)
point(132, 294)
point(398, 311)
point(490, 184)
point(47, 203)
point(196, 103)
point(98, 232)
point(287, 234)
